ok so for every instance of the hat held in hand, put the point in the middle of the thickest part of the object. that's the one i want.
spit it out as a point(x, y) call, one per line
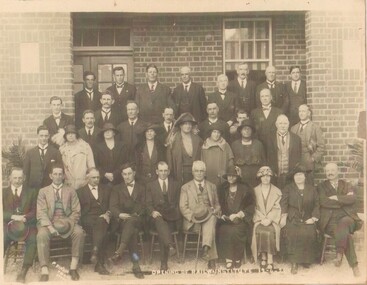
point(63, 227)
point(17, 230)
point(200, 214)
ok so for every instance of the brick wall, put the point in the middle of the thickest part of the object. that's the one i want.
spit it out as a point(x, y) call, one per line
point(24, 96)
point(335, 78)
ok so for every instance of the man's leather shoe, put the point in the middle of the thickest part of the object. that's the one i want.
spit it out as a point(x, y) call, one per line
point(338, 260)
point(211, 264)
point(164, 266)
point(137, 271)
point(74, 274)
point(356, 271)
point(115, 257)
point(44, 278)
point(21, 275)
point(205, 254)
point(172, 251)
point(294, 268)
point(101, 269)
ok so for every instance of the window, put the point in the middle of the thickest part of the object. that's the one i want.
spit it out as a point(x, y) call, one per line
point(247, 40)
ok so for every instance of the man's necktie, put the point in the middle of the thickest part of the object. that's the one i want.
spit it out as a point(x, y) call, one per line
point(301, 128)
point(16, 193)
point(42, 153)
point(164, 187)
point(57, 193)
point(187, 88)
point(295, 87)
point(95, 193)
point(243, 83)
point(152, 88)
point(201, 188)
point(106, 115)
point(283, 140)
point(90, 94)
point(89, 135)
point(168, 128)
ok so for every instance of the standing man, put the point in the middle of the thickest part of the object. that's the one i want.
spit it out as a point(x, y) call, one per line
point(244, 88)
point(283, 150)
point(162, 207)
point(37, 161)
point(127, 208)
point(88, 98)
point(338, 215)
point(107, 114)
point(167, 124)
point(227, 101)
point(121, 90)
point(241, 115)
point(200, 208)
point(19, 209)
point(297, 93)
point(153, 97)
point(58, 213)
point(279, 96)
point(89, 132)
point(95, 217)
point(312, 139)
point(57, 122)
point(189, 96)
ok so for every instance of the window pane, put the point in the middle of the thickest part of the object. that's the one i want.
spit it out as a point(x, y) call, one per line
point(78, 73)
point(122, 37)
point(231, 66)
point(232, 34)
point(246, 30)
point(103, 86)
point(77, 37)
point(104, 72)
point(77, 87)
point(262, 50)
point(247, 50)
point(106, 37)
point(232, 50)
point(90, 37)
point(231, 25)
point(262, 30)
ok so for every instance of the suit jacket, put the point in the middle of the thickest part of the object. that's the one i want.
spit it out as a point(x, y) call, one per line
point(313, 144)
point(204, 126)
point(128, 92)
point(227, 106)
point(346, 202)
point(295, 100)
point(46, 205)
point(84, 195)
point(189, 200)
point(155, 199)
point(280, 97)
point(264, 126)
point(93, 140)
point(196, 103)
point(50, 123)
point(83, 102)
point(28, 199)
point(162, 133)
point(115, 118)
point(247, 95)
point(36, 172)
point(152, 104)
point(294, 151)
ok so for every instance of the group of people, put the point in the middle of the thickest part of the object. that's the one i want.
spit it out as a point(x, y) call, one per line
point(226, 164)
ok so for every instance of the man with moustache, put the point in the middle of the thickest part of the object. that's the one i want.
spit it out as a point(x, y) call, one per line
point(107, 114)
point(89, 132)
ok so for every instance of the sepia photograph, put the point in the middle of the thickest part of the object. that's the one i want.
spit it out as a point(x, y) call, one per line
point(183, 142)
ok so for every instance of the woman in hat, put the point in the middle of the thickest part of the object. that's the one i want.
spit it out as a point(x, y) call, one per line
point(266, 233)
point(77, 157)
point(183, 148)
point(149, 151)
point(248, 152)
point(110, 154)
point(235, 226)
point(300, 212)
point(217, 154)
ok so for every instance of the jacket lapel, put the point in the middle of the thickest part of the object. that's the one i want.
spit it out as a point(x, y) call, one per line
point(65, 198)
point(260, 199)
point(192, 189)
point(51, 199)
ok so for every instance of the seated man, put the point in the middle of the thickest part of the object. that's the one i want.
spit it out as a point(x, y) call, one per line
point(127, 207)
point(162, 205)
point(338, 215)
point(200, 208)
point(95, 217)
point(19, 207)
point(58, 213)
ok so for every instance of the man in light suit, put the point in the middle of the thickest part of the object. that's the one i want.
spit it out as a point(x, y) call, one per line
point(58, 213)
point(89, 132)
point(312, 139)
point(153, 97)
point(189, 96)
point(107, 114)
point(88, 98)
point(37, 161)
point(196, 195)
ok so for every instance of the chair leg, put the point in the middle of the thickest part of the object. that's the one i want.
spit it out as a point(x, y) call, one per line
point(142, 249)
point(197, 250)
point(151, 249)
point(7, 252)
point(184, 249)
point(323, 251)
point(176, 243)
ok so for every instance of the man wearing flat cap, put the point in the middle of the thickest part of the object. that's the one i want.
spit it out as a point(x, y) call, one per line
point(19, 218)
point(200, 208)
point(58, 213)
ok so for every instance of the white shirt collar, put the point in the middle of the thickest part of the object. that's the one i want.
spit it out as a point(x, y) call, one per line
point(43, 147)
point(187, 84)
point(90, 187)
point(153, 84)
point(57, 187)
point(91, 130)
point(212, 121)
point(133, 121)
point(19, 189)
point(202, 183)
point(161, 182)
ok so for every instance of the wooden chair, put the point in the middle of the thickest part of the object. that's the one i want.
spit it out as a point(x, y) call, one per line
point(14, 252)
point(328, 245)
point(140, 241)
point(154, 234)
point(191, 245)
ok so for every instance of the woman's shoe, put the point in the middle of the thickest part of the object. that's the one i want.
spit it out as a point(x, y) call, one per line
point(269, 267)
point(229, 264)
point(263, 264)
point(237, 264)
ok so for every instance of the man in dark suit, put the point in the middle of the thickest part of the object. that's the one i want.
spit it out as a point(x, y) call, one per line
point(57, 122)
point(189, 96)
point(244, 88)
point(153, 97)
point(297, 94)
point(265, 116)
point(131, 129)
point(283, 150)
point(88, 98)
point(19, 205)
point(127, 205)
point(167, 124)
point(95, 216)
point(213, 111)
point(89, 132)
point(162, 208)
point(107, 114)
point(279, 96)
point(121, 90)
point(227, 101)
point(37, 161)
point(338, 215)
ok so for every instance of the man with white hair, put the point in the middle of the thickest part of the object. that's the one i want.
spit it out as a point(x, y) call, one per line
point(283, 150)
point(338, 215)
point(189, 97)
point(200, 208)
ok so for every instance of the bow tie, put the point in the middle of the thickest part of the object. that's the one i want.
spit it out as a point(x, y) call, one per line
point(120, 86)
point(266, 108)
point(89, 91)
point(58, 117)
point(40, 148)
point(130, 184)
